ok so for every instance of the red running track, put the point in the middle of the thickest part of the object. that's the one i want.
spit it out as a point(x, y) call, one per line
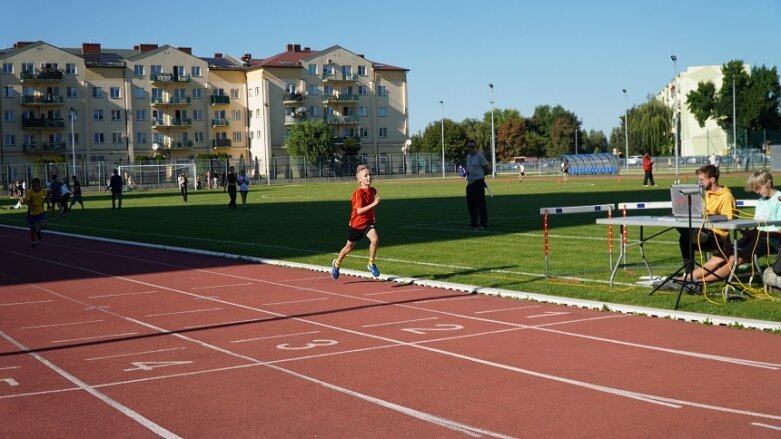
point(107, 340)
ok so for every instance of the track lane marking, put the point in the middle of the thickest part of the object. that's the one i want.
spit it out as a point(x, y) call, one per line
point(56, 325)
point(183, 312)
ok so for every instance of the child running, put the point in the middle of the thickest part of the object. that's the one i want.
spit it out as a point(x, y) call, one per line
point(361, 223)
point(36, 215)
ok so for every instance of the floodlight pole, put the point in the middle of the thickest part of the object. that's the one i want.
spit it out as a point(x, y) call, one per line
point(72, 115)
point(676, 115)
point(442, 125)
point(626, 132)
point(734, 120)
point(493, 134)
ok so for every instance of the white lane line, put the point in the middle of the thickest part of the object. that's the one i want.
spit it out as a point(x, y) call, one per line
point(209, 287)
point(56, 325)
point(96, 337)
point(9, 367)
point(127, 411)
point(25, 303)
point(102, 296)
point(294, 301)
point(183, 312)
point(275, 336)
point(447, 299)
point(223, 324)
point(394, 292)
point(548, 314)
point(304, 279)
point(772, 427)
point(132, 354)
point(398, 323)
point(488, 311)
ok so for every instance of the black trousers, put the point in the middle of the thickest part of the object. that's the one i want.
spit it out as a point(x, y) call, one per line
point(703, 239)
point(232, 195)
point(475, 202)
point(649, 176)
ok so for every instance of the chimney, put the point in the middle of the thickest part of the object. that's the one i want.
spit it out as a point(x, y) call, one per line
point(90, 48)
point(141, 48)
point(246, 58)
point(307, 49)
point(20, 44)
point(296, 48)
point(218, 55)
point(289, 47)
point(187, 50)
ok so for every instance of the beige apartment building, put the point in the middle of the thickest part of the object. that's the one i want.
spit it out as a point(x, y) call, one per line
point(124, 104)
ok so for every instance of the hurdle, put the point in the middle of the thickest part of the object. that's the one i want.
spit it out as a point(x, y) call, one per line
point(546, 211)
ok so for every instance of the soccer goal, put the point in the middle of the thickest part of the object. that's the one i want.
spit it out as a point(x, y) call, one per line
point(156, 176)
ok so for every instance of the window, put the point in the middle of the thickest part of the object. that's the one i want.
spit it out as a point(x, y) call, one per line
point(361, 70)
point(138, 69)
point(114, 92)
point(8, 91)
point(364, 132)
point(312, 90)
point(363, 90)
point(141, 137)
point(180, 93)
point(235, 93)
point(382, 111)
point(27, 67)
point(97, 114)
point(383, 132)
point(257, 91)
point(139, 93)
point(290, 88)
point(8, 115)
point(28, 91)
point(179, 70)
point(140, 114)
point(314, 111)
point(197, 93)
point(312, 69)
point(116, 115)
point(97, 92)
point(157, 95)
point(347, 70)
point(8, 68)
point(116, 137)
point(10, 139)
point(328, 90)
point(195, 70)
point(98, 138)
point(237, 136)
point(73, 115)
point(236, 115)
point(363, 111)
point(156, 69)
point(198, 136)
point(71, 92)
point(382, 90)
point(70, 68)
point(198, 114)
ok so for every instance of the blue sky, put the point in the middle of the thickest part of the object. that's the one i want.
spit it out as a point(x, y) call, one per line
point(578, 54)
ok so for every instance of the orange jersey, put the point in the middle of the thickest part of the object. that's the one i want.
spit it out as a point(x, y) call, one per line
point(362, 197)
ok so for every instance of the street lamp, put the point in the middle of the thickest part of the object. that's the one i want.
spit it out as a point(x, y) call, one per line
point(676, 114)
point(493, 135)
point(404, 150)
point(72, 114)
point(442, 125)
point(734, 120)
point(626, 131)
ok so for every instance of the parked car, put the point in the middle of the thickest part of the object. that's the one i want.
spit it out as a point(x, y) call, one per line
point(634, 160)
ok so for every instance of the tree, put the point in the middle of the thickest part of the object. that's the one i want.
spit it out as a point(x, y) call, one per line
point(431, 140)
point(511, 139)
point(311, 139)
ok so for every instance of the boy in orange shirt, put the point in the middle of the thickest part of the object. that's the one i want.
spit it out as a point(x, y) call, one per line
point(361, 223)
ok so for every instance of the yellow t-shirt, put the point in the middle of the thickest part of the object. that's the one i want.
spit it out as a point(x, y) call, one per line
point(721, 202)
point(34, 201)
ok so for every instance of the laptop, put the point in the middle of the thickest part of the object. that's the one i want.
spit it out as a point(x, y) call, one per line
point(679, 196)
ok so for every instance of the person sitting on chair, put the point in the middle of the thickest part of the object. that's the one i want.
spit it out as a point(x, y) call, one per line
point(757, 241)
point(718, 201)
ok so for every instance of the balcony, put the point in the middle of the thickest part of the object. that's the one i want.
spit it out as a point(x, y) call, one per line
point(168, 78)
point(177, 100)
point(42, 100)
point(220, 123)
point(220, 100)
point(45, 147)
point(172, 123)
point(43, 123)
point(42, 75)
point(179, 144)
point(332, 77)
point(292, 120)
point(293, 98)
point(342, 98)
point(221, 143)
point(341, 120)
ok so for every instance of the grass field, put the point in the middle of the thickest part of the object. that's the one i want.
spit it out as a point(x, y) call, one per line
point(423, 231)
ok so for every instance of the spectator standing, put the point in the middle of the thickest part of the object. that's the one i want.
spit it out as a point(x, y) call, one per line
point(76, 193)
point(648, 168)
point(183, 184)
point(476, 169)
point(55, 194)
point(65, 194)
point(231, 178)
point(243, 182)
point(115, 184)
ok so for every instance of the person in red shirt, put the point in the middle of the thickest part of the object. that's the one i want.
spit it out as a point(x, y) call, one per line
point(648, 167)
point(361, 223)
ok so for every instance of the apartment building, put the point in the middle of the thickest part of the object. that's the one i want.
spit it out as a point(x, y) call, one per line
point(121, 104)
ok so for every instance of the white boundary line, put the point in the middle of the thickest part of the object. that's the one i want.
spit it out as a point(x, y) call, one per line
point(472, 289)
